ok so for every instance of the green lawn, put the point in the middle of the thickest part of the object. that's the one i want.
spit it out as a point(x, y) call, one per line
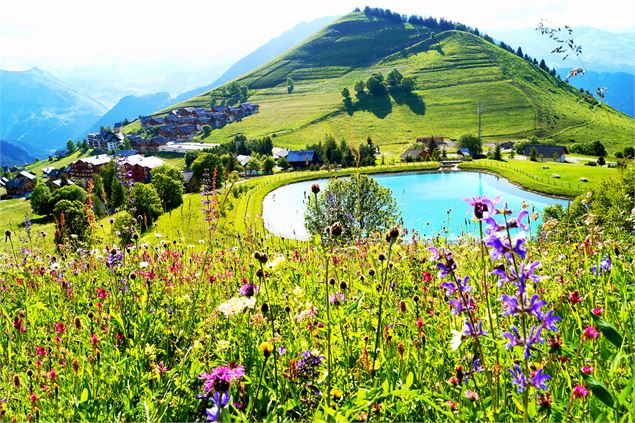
point(531, 175)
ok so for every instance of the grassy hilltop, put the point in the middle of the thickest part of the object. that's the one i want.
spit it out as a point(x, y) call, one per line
point(454, 70)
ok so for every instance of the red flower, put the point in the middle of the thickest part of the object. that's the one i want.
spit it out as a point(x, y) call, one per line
point(41, 351)
point(427, 277)
point(101, 293)
point(419, 323)
point(33, 397)
point(94, 340)
point(574, 297)
point(59, 327)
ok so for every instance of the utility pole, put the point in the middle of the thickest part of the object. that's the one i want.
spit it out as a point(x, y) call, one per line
point(479, 110)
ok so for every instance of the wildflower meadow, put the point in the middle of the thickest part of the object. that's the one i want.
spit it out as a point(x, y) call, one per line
point(516, 324)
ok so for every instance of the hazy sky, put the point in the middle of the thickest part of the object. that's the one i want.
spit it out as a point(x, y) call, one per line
point(62, 33)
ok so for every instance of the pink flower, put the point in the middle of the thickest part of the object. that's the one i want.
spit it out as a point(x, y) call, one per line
point(59, 327)
point(590, 333)
point(579, 392)
point(52, 374)
point(94, 340)
point(33, 397)
point(41, 351)
point(419, 322)
point(101, 293)
point(471, 395)
point(598, 311)
point(427, 277)
point(587, 370)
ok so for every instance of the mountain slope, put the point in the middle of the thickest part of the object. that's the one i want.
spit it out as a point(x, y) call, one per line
point(12, 155)
point(41, 112)
point(455, 71)
point(263, 54)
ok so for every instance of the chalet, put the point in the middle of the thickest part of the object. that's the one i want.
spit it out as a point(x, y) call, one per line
point(190, 181)
point(238, 111)
point(171, 119)
point(3, 181)
point(141, 167)
point(219, 109)
point(88, 166)
point(49, 172)
point(279, 152)
point(58, 183)
point(414, 154)
point(23, 183)
point(184, 112)
point(104, 140)
point(125, 153)
point(217, 120)
point(548, 152)
point(149, 144)
point(184, 147)
point(464, 152)
point(507, 145)
point(250, 108)
point(185, 131)
point(167, 131)
point(302, 158)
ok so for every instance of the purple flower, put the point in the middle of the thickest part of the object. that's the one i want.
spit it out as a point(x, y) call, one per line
point(473, 330)
point(549, 319)
point(337, 298)
point(503, 248)
point(219, 402)
point(534, 305)
point(219, 379)
point(282, 350)
point(482, 205)
point(515, 340)
point(249, 290)
point(605, 267)
point(519, 378)
point(517, 222)
point(510, 305)
point(307, 365)
point(538, 378)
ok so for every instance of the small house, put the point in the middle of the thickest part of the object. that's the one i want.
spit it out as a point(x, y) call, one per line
point(88, 166)
point(548, 152)
point(414, 154)
point(243, 160)
point(464, 152)
point(302, 158)
point(23, 183)
point(141, 167)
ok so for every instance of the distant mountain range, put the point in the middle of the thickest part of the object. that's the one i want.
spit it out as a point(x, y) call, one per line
point(620, 87)
point(131, 106)
point(602, 51)
point(12, 155)
point(40, 113)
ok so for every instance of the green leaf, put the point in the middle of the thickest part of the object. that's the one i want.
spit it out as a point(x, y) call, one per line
point(599, 390)
point(409, 379)
point(609, 331)
point(84, 396)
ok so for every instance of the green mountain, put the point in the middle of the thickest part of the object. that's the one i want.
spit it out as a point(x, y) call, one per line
point(455, 71)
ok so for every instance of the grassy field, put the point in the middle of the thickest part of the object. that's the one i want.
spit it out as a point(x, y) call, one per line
point(455, 72)
point(534, 176)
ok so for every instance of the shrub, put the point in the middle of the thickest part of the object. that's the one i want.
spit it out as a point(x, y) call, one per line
point(147, 204)
point(124, 227)
point(41, 200)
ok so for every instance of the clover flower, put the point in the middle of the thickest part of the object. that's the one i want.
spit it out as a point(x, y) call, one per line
point(236, 305)
point(249, 290)
point(220, 378)
point(579, 392)
point(590, 333)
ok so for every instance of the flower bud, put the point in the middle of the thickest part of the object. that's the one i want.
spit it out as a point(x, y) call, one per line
point(315, 188)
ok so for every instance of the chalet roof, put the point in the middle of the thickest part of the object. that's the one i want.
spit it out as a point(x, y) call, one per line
point(48, 170)
point(25, 174)
point(464, 151)
point(242, 159)
point(159, 140)
point(546, 150)
point(187, 128)
point(412, 152)
point(149, 162)
point(300, 156)
point(97, 160)
point(219, 108)
point(58, 182)
point(134, 137)
point(125, 153)
point(187, 176)
point(279, 152)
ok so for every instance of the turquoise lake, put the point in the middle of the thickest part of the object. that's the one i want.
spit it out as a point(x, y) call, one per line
point(430, 203)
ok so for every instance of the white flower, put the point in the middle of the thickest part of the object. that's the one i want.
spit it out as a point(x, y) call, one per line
point(455, 342)
point(55, 266)
point(223, 344)
point(144, 264)
point(297, 291)
point(275, 262)
point(158, 235)
point(236, 305)
point(201, 241)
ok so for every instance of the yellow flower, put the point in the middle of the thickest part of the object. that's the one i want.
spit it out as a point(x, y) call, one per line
point(266, 348)
point(337, 394)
